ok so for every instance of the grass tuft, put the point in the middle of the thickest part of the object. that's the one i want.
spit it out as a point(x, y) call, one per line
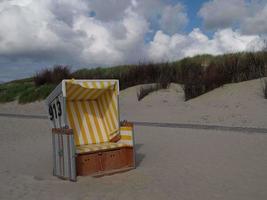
point(35, 93)
point(147, 89)
point(52, 76)
point(10, 91)
point(229, 68)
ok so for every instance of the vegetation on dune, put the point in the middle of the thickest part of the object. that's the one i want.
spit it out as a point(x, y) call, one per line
point(32, 94)
point(147, 89)
point(198, 74)
point(229, 68)
point(24, 92)
point(130, 75)
point(265, 89)
point(10, 91)
point(52, 76)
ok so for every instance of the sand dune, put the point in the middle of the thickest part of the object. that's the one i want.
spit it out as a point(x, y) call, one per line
point(240, 104)
point(171, 163)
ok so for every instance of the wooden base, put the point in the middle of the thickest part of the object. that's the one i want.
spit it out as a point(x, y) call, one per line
point(111, 172)
point(105, 162)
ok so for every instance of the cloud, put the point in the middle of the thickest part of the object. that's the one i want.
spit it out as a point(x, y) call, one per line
point(102, 45)
point(30, 30)
point(165, 47)
point(173, 19)
point(42, 33)
point(36, 30)
point(257, 23)
point(221, 13)
point(109, 10)
point(248, 16)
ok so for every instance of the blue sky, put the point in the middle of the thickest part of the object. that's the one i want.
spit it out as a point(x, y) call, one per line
point(36, 34)
point(192, 8)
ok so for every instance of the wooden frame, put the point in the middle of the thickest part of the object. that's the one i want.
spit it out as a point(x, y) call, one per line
point(63, 154)
point(105, 162)
point(96, 164)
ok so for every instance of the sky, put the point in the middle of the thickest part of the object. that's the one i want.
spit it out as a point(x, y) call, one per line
point(35, 34)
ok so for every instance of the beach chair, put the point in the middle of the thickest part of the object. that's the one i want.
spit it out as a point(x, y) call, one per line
point(87, 136)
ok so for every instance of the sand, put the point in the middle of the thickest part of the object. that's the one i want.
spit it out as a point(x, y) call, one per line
point(36, 108)
point(241, 104)
point(172, 163)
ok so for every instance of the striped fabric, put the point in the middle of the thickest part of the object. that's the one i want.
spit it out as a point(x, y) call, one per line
point(126, 133)
point(85, 90)
point(92, 111)
point(98, 147)
point(126, 140)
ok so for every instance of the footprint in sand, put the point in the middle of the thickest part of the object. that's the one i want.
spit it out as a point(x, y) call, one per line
point(38, 178)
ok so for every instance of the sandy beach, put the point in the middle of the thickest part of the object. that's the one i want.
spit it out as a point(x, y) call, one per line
point(172, 163)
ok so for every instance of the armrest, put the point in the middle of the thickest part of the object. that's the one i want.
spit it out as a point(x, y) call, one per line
point(127, 135)
point(115, 137)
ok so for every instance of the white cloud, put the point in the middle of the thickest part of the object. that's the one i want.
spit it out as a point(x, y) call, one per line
point(102, 46)
point(249, 16)
point(113, 10)
point(37, 30)
point(39, 33)
point(165, 47)
point(174, 19)
point(109, 10)
point(29, 29)
point(221, 13)
point(256, 23)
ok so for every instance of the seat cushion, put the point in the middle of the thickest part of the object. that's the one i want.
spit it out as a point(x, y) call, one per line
point(98, 147)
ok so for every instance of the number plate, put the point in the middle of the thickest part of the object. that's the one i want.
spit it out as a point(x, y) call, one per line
point(55, 111)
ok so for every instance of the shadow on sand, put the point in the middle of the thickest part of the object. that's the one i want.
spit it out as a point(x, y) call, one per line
point(138, 156)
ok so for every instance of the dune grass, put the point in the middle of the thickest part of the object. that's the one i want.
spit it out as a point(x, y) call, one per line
point(52, 76)
point(198, 75)
point(10, 91)
point(265, 89)
point(24, 92)
point(32, 94)
point(147, 89)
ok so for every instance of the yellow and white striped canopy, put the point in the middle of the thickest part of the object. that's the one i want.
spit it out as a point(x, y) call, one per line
point(88, 89)
point(92, 110)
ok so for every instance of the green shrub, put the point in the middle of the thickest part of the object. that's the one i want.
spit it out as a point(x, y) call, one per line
point(230, 68)
point(35, 93)
point(10, 91)
point(52, 76)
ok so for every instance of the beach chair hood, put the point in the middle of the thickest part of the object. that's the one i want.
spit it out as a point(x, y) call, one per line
point(92, 110)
